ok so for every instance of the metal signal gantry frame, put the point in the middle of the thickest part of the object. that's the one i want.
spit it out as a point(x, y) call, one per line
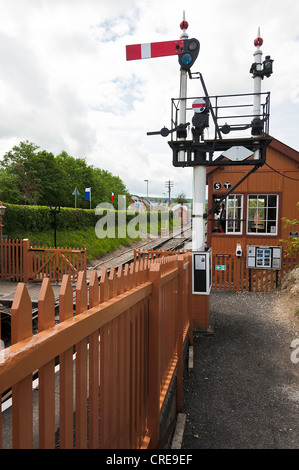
point(239, 124)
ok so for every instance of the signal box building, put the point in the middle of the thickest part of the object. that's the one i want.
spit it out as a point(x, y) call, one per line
point(252, 214)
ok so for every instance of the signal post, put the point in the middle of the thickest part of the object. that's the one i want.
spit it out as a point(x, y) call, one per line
point(199, 150)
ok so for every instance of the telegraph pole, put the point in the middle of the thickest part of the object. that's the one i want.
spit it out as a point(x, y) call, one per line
point(169, 185)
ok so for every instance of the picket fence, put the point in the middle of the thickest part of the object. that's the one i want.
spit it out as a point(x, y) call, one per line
point(12, 260)
point(233, 274)
point(124, 345)
point(21, 262)
point(237, 277)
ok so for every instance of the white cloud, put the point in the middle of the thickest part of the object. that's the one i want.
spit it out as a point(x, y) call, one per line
point(65, 83)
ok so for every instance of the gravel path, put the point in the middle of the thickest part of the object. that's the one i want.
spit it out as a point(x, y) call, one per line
point(243, 392)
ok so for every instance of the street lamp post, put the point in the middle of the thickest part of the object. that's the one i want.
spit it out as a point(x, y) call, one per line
point(54, 211)
point(2, 212)
point(146, 188)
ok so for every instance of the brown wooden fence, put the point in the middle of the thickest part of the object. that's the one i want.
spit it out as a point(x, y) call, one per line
point(135, 324)
point(21, 262)
point(233, 275)
point(237, 277)
point(53, 263)
point(11, 260)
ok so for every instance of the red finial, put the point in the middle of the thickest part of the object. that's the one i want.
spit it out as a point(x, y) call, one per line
point(258, 42)
point(184, 24)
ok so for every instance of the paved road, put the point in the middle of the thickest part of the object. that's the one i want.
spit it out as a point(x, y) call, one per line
point(243, 392)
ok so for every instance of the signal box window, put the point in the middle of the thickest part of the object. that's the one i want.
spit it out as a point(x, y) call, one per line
point(234, 214)
point(228, 217)
point(262, 214)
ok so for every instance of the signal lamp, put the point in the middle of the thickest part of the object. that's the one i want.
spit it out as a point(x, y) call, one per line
point(189, 54)
point(268, 66)
point(257, 126)
point(266, 71)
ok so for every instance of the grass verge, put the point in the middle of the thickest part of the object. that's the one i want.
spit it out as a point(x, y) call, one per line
point(76, 239)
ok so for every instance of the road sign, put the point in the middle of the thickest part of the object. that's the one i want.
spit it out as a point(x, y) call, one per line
point(220, 267)
point(76, 192)
point(217, 186)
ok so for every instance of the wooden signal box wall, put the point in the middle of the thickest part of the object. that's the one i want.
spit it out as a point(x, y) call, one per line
point(255, 209)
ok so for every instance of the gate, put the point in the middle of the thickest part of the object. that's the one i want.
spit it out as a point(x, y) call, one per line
point(53, 263)
point(20, 262)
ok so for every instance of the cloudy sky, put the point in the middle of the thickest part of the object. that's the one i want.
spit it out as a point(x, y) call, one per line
point(65, 83)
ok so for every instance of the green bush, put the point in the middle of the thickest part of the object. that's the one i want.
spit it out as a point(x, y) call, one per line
point(75, 227)
point(23, 218)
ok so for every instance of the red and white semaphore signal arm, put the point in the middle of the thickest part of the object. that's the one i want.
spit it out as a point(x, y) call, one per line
point(154, 49)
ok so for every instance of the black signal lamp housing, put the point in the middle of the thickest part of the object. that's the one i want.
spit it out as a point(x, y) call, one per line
point(268, 66)
point(266, 71)
point(189, 54)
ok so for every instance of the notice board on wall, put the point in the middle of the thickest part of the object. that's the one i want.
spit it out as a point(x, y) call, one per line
point(263, 257)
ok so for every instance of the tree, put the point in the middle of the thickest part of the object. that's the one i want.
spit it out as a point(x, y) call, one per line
point(181, 199)
point(8, 188)
point(31, 176)
point(18, 167)
point(292, 244)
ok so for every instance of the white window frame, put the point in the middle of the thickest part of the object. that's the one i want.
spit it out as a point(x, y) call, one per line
point(266, 219)
point(234, 232)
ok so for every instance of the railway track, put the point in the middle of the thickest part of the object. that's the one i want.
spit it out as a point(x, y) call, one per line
point(174, 242)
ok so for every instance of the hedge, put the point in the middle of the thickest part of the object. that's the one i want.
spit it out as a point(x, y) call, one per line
point(20, 218)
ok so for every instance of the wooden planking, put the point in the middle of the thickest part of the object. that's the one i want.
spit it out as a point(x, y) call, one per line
point(11, 260)
point(46, 374)
point(66, 369)
point(94, 377)
point(22, 407)
point(81, 368)
point(20, 262)
point(124, 319)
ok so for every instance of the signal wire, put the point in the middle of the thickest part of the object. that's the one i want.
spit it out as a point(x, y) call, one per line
point(285, 176)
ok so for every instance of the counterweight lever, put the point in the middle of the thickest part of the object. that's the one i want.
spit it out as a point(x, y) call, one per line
point(165, 132)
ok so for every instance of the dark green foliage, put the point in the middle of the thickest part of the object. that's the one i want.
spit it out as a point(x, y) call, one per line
point(20, 218)
point(31, 176)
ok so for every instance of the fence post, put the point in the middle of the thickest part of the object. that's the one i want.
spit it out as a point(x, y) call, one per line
point(46, 374)
point(153, 342)
point(94, 381)
point(81, 368)
point(66, 369)
point(27, 261)
point(22, 408)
